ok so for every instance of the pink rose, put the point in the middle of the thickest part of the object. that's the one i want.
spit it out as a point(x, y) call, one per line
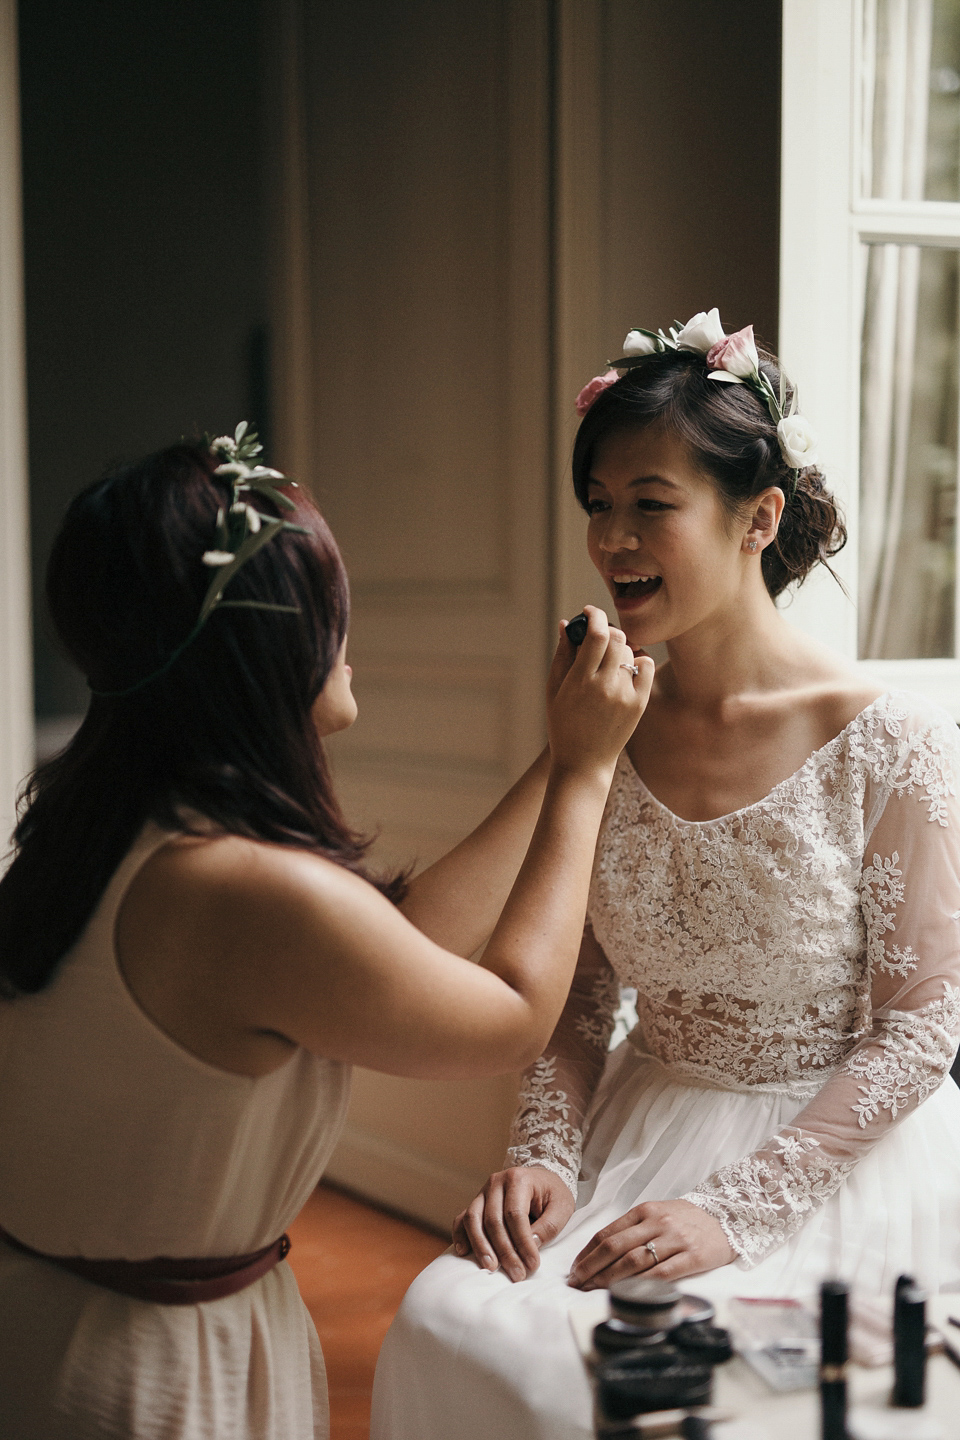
point(593, 388)
point(737, 354)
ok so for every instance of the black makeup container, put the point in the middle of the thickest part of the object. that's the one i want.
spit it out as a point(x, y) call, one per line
point(656, 1351)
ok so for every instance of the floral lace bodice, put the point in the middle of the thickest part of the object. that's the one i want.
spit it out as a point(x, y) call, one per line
point(809, 943)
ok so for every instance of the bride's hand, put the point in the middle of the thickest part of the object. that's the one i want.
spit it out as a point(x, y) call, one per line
point(497, 1227)
point(686, 1239)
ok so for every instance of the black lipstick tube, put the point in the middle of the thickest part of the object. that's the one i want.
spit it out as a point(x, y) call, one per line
point(577, 629)
point(909, 1345)
point(833, 1360)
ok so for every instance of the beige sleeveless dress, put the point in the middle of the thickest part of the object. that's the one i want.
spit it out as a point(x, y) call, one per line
point(116, 1143)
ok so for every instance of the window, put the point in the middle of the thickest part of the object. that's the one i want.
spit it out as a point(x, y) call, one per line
point(870, 316)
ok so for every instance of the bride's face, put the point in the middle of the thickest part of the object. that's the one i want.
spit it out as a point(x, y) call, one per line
point(335, 708)
point(666, 548)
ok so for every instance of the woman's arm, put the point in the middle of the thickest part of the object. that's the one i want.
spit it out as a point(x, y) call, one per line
point(530, 1201)
point(229, 943)
point(457, 900)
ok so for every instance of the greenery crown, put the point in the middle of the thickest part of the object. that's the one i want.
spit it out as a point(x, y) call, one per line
point(241, 531)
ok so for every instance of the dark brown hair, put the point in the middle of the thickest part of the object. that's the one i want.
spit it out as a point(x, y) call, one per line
point(226, 732)
point(730, 435)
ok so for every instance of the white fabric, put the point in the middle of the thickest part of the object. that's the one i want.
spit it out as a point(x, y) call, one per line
point(115, 1143)
point(797, 967)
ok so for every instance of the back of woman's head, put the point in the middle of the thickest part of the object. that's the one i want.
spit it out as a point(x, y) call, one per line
point(730, 436)
point(219, 728)
point(125, 585)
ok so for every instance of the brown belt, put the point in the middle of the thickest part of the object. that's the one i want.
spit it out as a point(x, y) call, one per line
point(167, 1281)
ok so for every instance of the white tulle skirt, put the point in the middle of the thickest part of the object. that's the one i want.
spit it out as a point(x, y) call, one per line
point(472, 1355)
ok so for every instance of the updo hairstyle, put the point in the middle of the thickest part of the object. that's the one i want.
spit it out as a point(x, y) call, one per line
point(730, 435)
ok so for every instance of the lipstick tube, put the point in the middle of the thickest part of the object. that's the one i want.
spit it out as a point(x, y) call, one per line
point(833, 1360)
point(909, 1345)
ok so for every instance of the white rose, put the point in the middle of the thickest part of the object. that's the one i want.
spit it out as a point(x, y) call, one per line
point(798, 443)
point(637, 343)
point(702, 332)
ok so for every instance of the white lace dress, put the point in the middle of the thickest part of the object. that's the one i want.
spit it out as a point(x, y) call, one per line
point(797, 968)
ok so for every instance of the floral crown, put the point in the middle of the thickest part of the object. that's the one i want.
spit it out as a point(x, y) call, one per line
point(733, 360)
point(241, 531)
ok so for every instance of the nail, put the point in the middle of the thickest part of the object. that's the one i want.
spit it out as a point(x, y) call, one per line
point(489, 1262)
point(537, 1240)
point(460, 1249)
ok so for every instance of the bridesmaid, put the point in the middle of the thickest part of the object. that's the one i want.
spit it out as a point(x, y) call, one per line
point(193, 953)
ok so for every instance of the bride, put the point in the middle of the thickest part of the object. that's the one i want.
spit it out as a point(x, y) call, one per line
point(778, 877)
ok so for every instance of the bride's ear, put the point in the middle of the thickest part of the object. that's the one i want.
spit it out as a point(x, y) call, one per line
point(765, 512)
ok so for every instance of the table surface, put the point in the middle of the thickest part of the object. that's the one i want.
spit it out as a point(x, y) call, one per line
point(795, 1415)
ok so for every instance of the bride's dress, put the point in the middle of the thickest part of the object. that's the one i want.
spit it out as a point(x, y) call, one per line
point(797, 967)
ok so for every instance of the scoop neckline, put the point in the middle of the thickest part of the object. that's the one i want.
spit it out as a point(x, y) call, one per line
point(781, 784)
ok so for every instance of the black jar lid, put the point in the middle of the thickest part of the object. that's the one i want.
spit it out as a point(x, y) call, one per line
point(613, 1337)
point(702, 1341)
point(649, 1303)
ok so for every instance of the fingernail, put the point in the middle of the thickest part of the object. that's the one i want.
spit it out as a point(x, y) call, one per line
point(460, 1249)
point(489, 1262)
point(537, 1240)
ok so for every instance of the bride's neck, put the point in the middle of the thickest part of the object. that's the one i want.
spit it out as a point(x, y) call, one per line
point(731, 655)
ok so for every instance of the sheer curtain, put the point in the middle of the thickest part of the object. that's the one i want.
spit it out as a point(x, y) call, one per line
point(897, 48)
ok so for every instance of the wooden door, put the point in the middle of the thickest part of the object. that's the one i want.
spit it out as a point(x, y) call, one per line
point(414, 394)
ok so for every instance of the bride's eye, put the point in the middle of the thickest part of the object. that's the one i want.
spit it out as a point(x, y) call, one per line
point(652, 506)
point(595, 506)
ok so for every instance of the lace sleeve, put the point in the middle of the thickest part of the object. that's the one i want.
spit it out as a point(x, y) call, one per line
point(557, 1088)
point(910, 904)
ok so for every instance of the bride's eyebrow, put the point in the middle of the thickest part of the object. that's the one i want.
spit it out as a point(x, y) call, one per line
point(653, 480)
point(640, 480)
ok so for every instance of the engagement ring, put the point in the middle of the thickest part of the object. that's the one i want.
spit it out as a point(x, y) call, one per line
point(653, 1251)
point(633, 669)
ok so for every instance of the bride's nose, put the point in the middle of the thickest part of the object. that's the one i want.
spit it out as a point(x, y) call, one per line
point(619, 534)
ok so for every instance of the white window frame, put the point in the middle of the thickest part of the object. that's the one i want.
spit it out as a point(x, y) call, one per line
point(823, 226)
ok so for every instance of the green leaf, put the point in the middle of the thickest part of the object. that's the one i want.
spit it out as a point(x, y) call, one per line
point(257, 605)
point(263, 487)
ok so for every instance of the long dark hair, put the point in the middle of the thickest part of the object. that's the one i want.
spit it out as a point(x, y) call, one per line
point(728, 431)
point(226, 733)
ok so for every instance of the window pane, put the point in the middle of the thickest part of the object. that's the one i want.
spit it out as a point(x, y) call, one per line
point(908, 449)
point(911, 100)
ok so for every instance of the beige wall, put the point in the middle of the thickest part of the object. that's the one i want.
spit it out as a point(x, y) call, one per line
point(474, 202)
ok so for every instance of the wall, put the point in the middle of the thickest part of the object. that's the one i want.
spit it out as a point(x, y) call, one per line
point(143, 237)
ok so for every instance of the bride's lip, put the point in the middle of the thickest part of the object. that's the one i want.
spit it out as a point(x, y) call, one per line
point(630, 604)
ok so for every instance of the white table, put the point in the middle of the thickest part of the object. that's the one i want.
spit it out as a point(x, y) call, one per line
point(796, 1414)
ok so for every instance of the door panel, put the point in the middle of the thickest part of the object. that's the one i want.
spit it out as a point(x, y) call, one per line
point(421, 229)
